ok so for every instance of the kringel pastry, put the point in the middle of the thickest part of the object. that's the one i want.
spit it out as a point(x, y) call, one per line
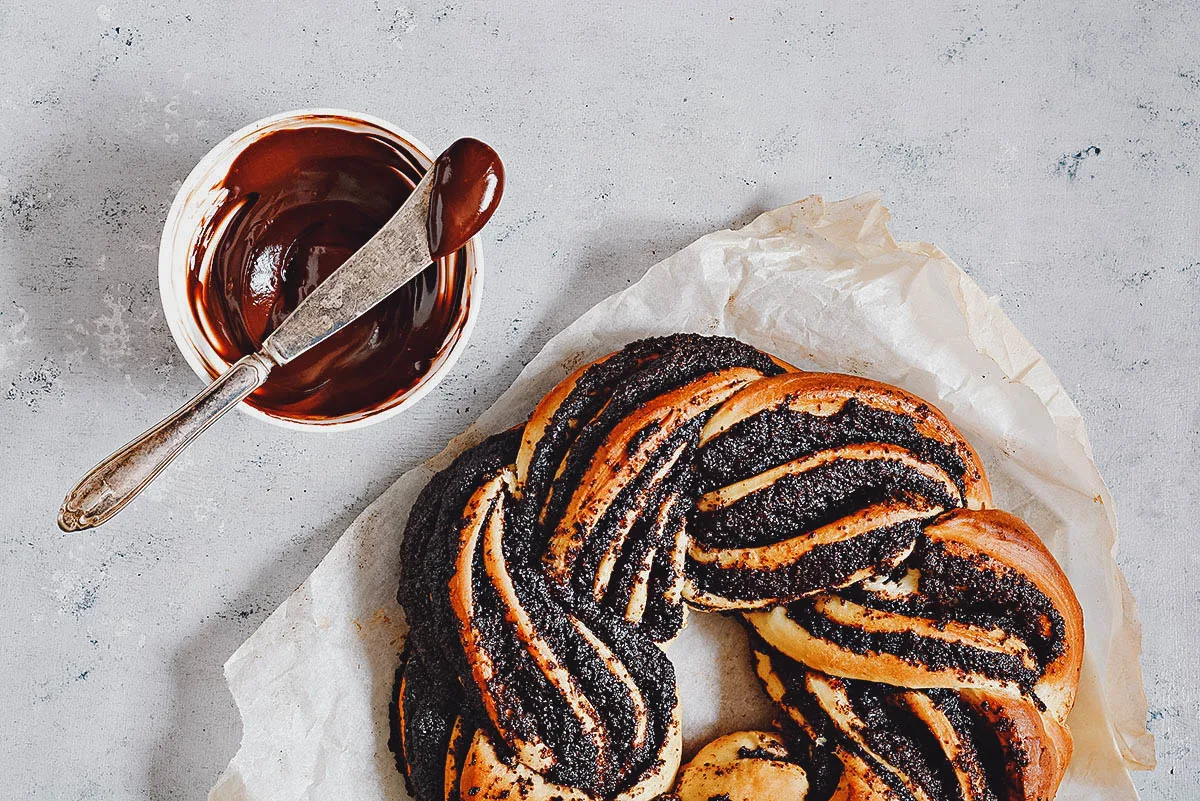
point(918, 644)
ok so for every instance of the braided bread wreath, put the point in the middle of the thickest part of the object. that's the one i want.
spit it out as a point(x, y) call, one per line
point(918, 644)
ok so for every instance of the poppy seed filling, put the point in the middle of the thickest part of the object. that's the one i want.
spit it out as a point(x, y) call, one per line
point(914, 640)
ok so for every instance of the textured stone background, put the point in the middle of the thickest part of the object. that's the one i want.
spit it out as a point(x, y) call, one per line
point(1052, 152)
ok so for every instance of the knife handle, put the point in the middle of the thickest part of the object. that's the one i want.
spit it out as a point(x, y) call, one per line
point(116, 480)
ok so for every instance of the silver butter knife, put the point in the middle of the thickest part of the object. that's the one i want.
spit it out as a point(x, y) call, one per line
point(464, 189)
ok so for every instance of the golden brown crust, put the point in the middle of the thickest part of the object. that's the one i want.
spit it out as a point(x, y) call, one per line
point(456, 755)
point(743, 766)
point(825, 393)
point(627, 452)
point(541, 417)
point(1037, 747)
point(1010, 541)
point(993, 543)
point(486, 776)
point(883, 456)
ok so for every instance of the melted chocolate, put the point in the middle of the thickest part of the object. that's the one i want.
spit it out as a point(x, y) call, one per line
point(468, 180)
point(299, 203)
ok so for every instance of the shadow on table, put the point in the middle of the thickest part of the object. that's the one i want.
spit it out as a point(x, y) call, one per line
point(617, 257)
point(204, 730)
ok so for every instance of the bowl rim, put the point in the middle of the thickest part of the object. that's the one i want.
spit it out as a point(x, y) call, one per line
point(177, 315)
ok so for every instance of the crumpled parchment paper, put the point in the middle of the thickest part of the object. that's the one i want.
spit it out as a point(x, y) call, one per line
point(821, 285)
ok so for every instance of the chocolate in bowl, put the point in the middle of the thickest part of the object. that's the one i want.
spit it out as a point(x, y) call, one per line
point(270, 214)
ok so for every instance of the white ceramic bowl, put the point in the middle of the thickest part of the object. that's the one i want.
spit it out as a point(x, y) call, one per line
point(200, 196)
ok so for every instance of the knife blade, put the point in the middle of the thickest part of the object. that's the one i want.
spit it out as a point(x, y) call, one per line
point(397, 253)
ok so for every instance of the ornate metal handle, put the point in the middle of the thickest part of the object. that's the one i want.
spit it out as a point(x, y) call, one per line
point(116, 480)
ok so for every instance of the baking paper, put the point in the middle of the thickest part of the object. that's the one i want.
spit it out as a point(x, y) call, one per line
point(823, 286)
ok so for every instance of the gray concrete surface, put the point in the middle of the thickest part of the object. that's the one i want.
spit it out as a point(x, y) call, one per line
point(1052, 151)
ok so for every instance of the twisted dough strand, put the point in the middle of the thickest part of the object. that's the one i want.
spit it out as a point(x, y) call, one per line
point(918, 644)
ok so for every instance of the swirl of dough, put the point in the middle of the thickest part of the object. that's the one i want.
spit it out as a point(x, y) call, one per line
point(812, 481)
point(980, 604)
point(934, 744)
point(542, 572)
point(918, 644)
